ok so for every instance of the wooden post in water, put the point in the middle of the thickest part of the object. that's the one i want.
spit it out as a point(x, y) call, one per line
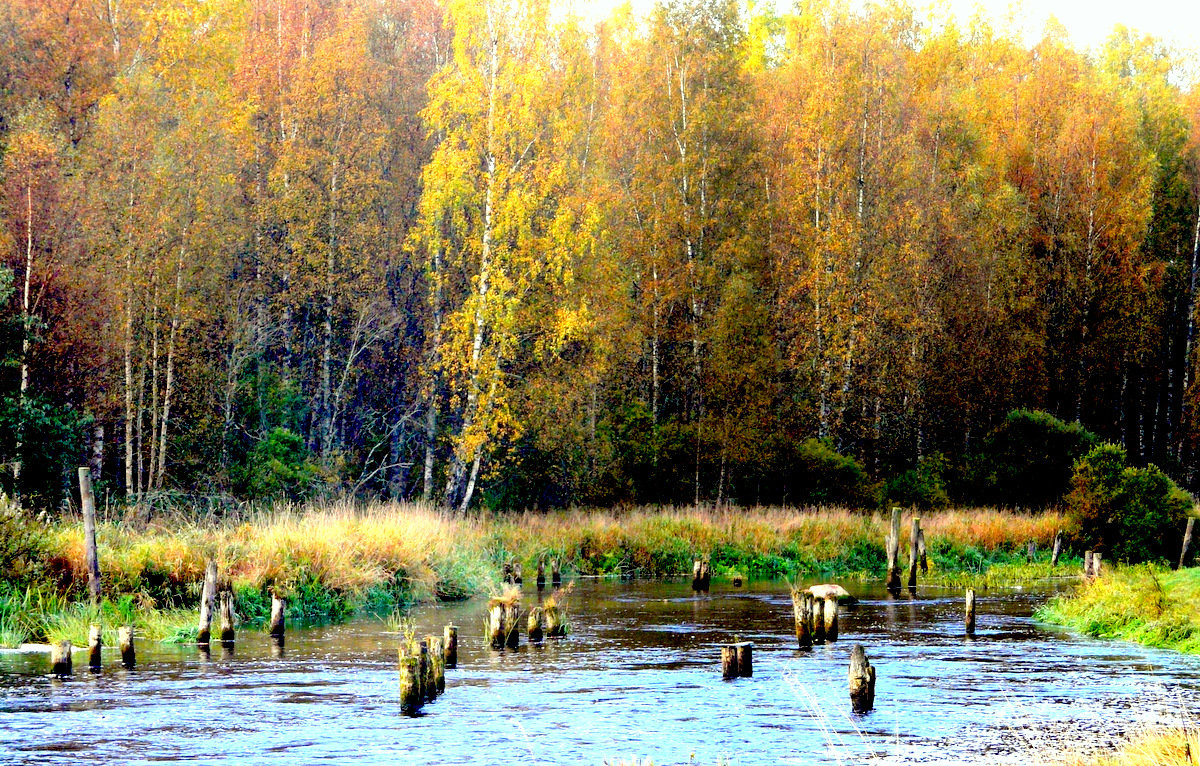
point(495, 624)
point(1187, 543)
point(1057, 548)
point(1031, 551)
point(745, 659)
point(95, 641)
point(508, 573)
point(541, 574)
point(1087, 564)
point(428, 690)
point(801, 607)
point(818, 620)
point(831, 618)
point(227, 632)
point(913, 555)
point(437, 655)
point(207, 596)
point(969, 620)
point(277, 625)
point(88, 501)
point(125, 641)
point(450, 634)
point(516, 568)
point(60, 658)
point(701, 576)
point(921, 552)
point(893, 553)
point(862, 681)
point(411, 698)
point(512, 623)
point(729, 666)
point(555, 575)
point(535, 623)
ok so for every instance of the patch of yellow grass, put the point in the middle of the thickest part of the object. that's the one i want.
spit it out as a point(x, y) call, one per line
point(1157, 747)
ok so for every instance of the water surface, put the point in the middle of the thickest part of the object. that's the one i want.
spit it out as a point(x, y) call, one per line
point(638, 678)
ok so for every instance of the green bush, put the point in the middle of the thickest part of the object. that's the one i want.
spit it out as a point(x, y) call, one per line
point(279, 466)
point(921, 487)
point(820, 475)
point(1028, 460)
point(1134, 514)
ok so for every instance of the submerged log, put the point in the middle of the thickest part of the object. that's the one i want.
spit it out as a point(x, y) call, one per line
point(1187, 543)
point(831, 619)
point(913, 553)
point(969, 619)
point(60, 658)
point(125, 641)
point(893, 553)
point(450, 635)
point(801, 609)
point(1057, 551)
point(95, 641)
point(207, 596)
point(862, 681)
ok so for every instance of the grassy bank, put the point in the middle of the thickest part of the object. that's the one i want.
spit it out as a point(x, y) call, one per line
point(1146, 604)
point(336, 560)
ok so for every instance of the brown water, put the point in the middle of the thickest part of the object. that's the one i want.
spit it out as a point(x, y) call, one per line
point(639, 677)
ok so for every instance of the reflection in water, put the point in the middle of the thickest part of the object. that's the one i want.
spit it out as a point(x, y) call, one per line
point(640, 677)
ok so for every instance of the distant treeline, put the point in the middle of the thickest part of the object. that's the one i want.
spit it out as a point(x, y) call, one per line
point(481, 251)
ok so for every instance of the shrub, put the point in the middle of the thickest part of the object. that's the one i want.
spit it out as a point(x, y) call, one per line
point(923, 486)
point(1133, 513)
point(1028, 460)
point(280, 467)
point(820, 475)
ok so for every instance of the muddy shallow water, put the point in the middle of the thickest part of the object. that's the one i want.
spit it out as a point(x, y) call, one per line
point(639, 677)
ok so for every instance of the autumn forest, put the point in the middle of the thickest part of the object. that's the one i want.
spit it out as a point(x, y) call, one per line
point(484, 252)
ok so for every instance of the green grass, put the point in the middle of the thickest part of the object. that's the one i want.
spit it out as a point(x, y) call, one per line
point(1149, 605)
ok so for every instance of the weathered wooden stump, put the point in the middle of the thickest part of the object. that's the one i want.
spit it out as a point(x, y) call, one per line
point(91, 554)
point(969, 619)
point(701, 576)
point(450, 636)
point(555, 575)
point(555, 611)
point(95, 641)
point(862, 681)
point(1031, 551)
point(1187, 543)
point(818, 620)
point(893, 553)
point(831, 619)
point(737, 581)
point(438, 657)
point(921, 552)
point(277, 625)
point(60, 658)
point(516, 570)
point(737, 660)
point(801, 613)
point(745, 659)
point(425, 663)
point(207, 596)
point(1097, 557)
point(1087, 564)
point(729, 662)
point(512, 620)
point(125, 641)
point(227, 632)
point(507, 573)
point(913, 552)
point(535, 622)
point(497, 635)
point(411, 697)
point(541, 574)
point(1057, 551)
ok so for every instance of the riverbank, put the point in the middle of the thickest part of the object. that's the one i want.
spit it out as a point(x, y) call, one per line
point(1149, 605)
point(336, 560)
